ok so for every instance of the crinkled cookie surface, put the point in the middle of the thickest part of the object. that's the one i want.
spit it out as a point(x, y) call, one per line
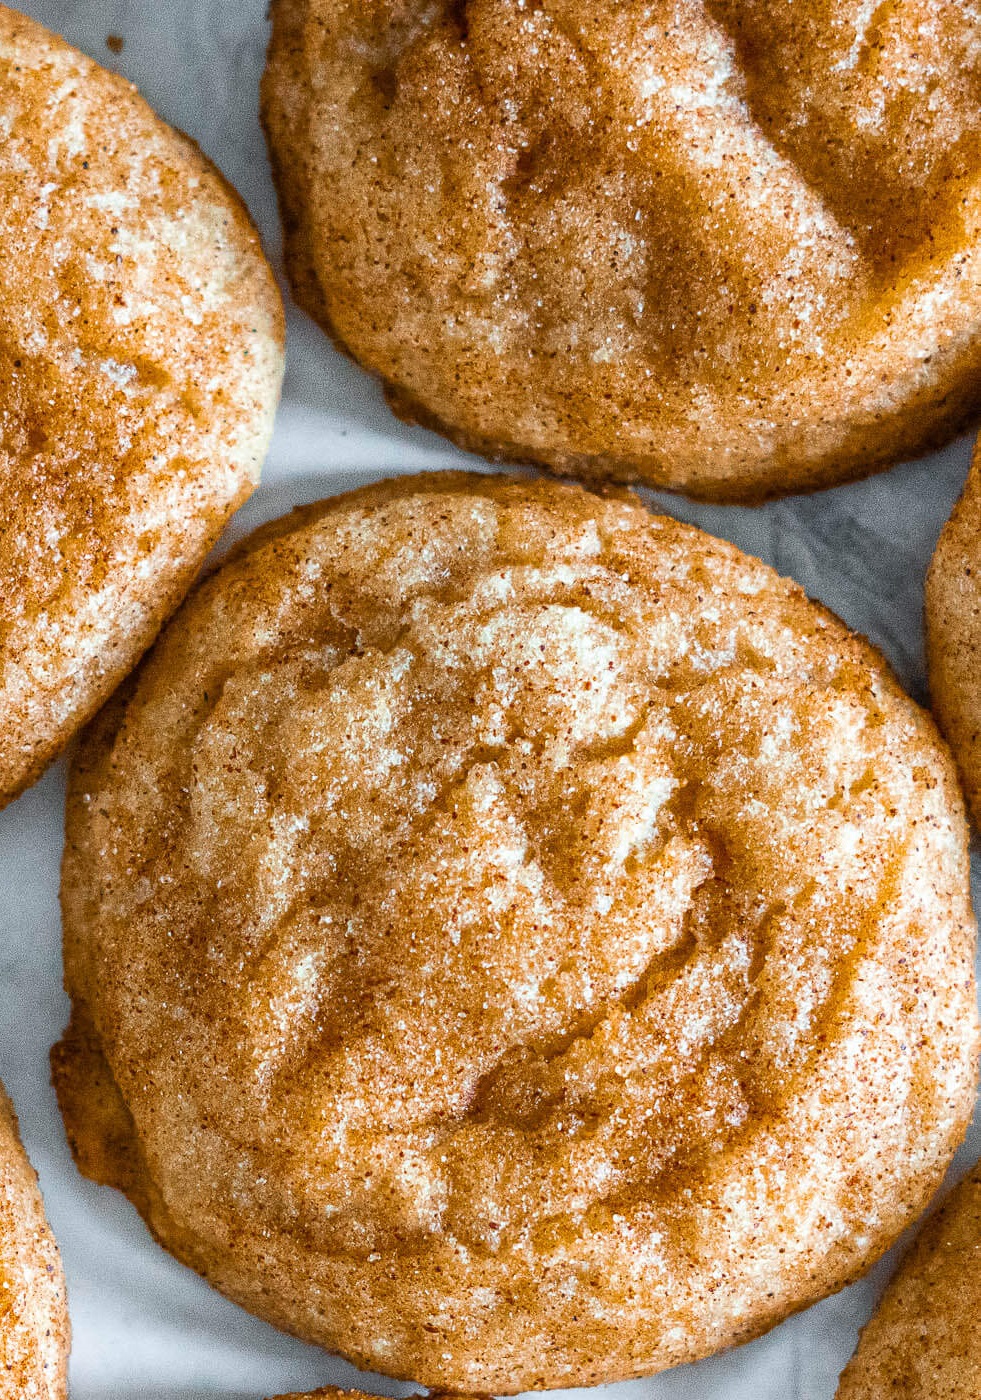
point(140, 358)
point(731, 247)
point(515, 940)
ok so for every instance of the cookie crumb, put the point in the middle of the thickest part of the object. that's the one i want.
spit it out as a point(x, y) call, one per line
point(115, 43)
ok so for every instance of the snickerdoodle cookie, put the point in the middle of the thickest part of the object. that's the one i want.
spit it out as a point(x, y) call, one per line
point(515, 940)
point(729, 247)
point(953, 633)
point(140, 358)
point(924, 1341)
point(33, 1313)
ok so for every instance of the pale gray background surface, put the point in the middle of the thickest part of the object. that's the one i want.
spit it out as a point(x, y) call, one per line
point(143, 1324)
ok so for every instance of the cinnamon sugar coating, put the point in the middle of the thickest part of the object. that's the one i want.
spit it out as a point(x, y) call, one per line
point(953, 633)
point(729, 247)
point(923, 1342)
point(33, 1313)
point(140, 358)
point(515, 941)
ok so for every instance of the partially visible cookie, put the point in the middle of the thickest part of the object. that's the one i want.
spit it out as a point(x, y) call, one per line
point(33, 1313)
point(333, 1392)
point(924, 1341)
point(953, 633)
point(728, 247)
point(140, 359)
point(328, 1392)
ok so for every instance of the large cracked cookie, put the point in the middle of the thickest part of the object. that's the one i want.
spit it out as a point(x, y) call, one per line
point(515, 940)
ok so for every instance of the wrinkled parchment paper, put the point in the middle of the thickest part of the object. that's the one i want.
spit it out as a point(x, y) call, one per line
point(144, 1326)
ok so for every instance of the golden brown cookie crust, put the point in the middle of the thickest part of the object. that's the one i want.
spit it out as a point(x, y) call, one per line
point(924, 1342)
point(953, 634)
point(514, 940)
point(140, 360)
point(730, 248)
point(33, 1313)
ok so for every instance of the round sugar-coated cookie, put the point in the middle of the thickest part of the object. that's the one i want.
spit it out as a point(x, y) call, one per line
point(33, 1313)
point(728, 247)
point(953, 633)
point(515, 940)
point(140, 360)
point(924, 1340)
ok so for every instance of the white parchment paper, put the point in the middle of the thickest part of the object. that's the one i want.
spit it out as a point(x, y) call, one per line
point(143, 1324)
